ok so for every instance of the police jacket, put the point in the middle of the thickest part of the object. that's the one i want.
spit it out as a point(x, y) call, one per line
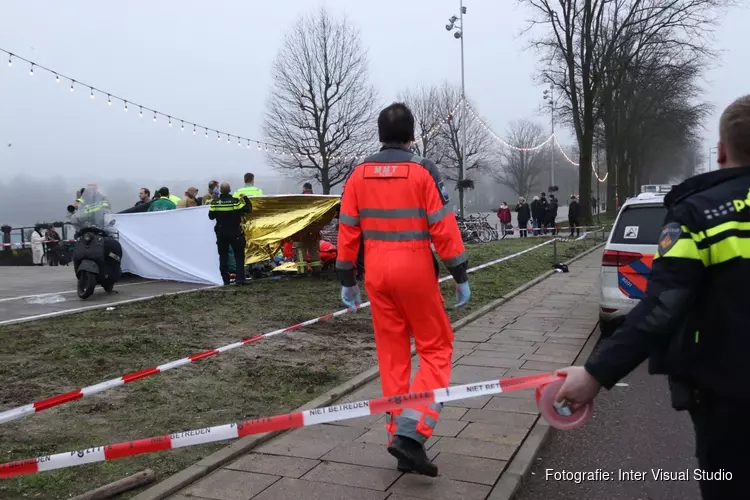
point(227, 211)
point(693, 321)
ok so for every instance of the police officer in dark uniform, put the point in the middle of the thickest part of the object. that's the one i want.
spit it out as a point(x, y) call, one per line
point(227, 211)
point(694, 323)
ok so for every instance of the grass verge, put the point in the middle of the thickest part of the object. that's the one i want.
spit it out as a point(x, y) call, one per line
point(42, 358)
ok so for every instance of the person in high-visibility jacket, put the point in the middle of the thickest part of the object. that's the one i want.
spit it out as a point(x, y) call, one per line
point(164, 193)
point(249, 188)
point(396, 201)
point(90, 206)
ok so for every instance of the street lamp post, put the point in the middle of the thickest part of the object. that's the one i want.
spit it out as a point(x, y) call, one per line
point(549, 97)
point(710, 152)
point(459, 34)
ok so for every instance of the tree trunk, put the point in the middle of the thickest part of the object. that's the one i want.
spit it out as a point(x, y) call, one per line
point(325, 181)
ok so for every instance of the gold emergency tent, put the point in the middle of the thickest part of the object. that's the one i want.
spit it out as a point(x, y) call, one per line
point(277, 218)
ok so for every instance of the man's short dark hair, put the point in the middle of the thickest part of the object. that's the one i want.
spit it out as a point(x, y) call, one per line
point(164, 192)
point(145, 190)
point(306, 185)
point(249, 178)
point(734, 127)
point(396, 124)
point(212, 185)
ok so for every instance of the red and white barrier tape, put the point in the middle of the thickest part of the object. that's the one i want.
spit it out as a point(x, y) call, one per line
point(60, 399)
point(28, 244)
point(334, 413)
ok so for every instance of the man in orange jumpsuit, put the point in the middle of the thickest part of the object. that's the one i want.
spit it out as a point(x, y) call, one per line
point(396, 201)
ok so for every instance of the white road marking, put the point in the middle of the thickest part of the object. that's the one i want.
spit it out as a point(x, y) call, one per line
point(8, 299)
point(99, 306)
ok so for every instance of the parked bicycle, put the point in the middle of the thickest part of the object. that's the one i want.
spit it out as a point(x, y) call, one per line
point(476, 229)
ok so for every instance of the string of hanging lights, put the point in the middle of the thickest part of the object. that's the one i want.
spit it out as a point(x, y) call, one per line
point(207, 131)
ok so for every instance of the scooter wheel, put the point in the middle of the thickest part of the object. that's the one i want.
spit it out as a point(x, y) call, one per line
point(86, 284)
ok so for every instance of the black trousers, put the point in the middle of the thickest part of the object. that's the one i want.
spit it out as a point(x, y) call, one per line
point(237, 243)
point(53, 257)
point(523, 231)
point(573, 223)
point(722, 439)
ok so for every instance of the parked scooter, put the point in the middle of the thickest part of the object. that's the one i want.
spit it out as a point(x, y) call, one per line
point(96, 259)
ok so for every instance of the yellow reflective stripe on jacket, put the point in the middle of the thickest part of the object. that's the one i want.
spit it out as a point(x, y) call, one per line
point(227, 205)
point(729, 248)
point(686, 247)
point(727, 226)
point(715, 245)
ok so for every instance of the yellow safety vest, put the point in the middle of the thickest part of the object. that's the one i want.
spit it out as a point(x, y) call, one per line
point(174, 199)
point(248, 191)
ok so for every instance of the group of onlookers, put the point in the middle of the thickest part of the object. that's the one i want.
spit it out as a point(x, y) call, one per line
point(540, 214)
point(164, 200)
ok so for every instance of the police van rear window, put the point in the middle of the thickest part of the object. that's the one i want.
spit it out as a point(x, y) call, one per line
point(639, 225)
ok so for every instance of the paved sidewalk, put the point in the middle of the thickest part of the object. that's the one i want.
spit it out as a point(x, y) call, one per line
point(538, 331)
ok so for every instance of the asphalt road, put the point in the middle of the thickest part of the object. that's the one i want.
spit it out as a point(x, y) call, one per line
point(634, 428)
point(37, 292)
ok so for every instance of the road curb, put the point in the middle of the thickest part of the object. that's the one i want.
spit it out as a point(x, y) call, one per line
point(188, 476)
point(513, 476)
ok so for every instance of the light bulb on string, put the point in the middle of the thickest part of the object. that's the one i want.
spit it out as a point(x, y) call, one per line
point(258, 146)
point(109, 99)
point(229, 139)
point(57, 79)
point(248, 144)
point(154, 115)
point(71, 85)
point(126, 106)
point(218, 136)
point(170, 121)
point(140, 113)
point(266, 148)
point(206, 133)
point(182, 127)
point(31, 71)
point(194, 130)
point(238, 141)
point(91, 95)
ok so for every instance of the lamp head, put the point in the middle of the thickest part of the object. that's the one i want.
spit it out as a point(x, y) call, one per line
point(448, 27)
point(457, 35)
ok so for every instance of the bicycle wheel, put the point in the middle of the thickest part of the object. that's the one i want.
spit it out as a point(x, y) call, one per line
point(484, 235)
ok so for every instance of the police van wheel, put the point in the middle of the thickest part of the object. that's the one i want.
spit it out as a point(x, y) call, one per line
point(86, 284)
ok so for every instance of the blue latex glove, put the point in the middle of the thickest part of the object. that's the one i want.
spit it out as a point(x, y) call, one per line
point(351, 297)
point(463, 294)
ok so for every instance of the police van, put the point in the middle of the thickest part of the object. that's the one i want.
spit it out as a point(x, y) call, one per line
point(628, 255)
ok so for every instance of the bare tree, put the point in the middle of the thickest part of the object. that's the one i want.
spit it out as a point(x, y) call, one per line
point(520, 169)
point(424, 105)
point(448, 144)
point(587, 40)
point(320, 113)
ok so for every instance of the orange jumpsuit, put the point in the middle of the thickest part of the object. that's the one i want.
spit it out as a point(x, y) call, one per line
point(397, 203)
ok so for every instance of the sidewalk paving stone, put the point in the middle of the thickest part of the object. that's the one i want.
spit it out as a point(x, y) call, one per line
point(539, 331)
point(296, 489)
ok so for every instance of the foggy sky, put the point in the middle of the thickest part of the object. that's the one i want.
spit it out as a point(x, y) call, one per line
point(209, 63)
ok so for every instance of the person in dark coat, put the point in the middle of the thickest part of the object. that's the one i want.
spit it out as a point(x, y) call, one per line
point(536, 208)
point(543, 215)
point(524, 214)
point(574, 216)
point(552, 212)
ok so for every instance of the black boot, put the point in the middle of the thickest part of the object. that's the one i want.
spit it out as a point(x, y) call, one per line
point(403, 466)
point(411, 453)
